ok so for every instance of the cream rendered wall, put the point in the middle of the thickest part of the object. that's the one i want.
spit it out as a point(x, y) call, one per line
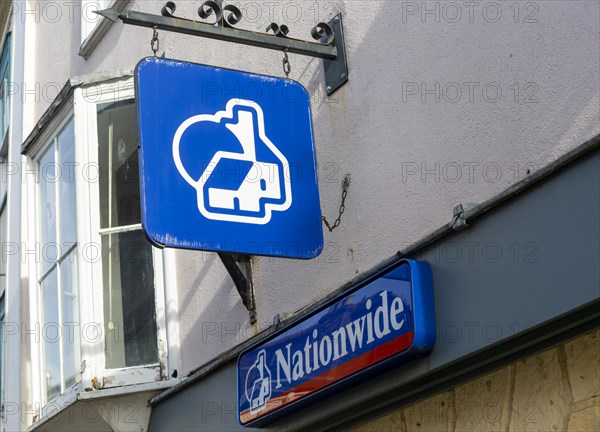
point(412, 158)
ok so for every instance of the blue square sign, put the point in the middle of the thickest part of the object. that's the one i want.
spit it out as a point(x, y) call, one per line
point(227, 161)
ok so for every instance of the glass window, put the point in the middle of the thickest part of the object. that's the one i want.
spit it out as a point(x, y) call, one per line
point(80, 213)
point(1, 354)
point(3, 222)
point(4, 89)
point(58, 266)
point(128, 272)
point(3, 178)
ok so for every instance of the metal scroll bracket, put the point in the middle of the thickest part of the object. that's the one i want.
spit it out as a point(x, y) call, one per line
point(329, 37)
point(238, 267)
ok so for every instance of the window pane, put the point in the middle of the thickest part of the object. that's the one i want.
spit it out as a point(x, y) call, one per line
point(4, 250)
point(118, 158)
point(51, 335)
point(70, 320)
point(4, 86)
point(3, 178)
point(59, 290)
point(4, 104)
point(129, 305)
point(48, 177)
point(2, 342)
point(68, 216)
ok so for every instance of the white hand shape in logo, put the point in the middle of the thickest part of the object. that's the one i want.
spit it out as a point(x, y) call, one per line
point(260, 192)
point(258, 383)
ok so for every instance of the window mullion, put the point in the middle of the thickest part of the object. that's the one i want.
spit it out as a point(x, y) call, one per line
point(92, 303)
point(57, 203)
point(41, 348)
point(110, 209)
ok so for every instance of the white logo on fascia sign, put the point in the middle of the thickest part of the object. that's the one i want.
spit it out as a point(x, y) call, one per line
point(258, 383)
point(263, 180)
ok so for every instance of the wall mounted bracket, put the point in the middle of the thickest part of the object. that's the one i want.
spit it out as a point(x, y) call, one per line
point(238, 267)
point(336, 71)
point(459, 222)
point(330, 44)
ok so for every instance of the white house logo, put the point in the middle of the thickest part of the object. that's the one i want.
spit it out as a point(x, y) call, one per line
point(263, 187)
point(258, 383)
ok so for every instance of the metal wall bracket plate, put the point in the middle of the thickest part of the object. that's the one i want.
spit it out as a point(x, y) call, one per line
point(336, 71)
point(459, 222)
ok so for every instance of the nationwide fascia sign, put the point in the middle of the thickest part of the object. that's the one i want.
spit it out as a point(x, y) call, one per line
point(381, 323)
point(227, 161)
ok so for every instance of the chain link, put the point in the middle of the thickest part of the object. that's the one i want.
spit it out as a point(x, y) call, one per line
point(287, 67)
point(338, 221)
point(155, 42)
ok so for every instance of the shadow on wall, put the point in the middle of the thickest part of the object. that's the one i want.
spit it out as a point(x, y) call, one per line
point(218, 327)
point(430, 98)
point(493, 86)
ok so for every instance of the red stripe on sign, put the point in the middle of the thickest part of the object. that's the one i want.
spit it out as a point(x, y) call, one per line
point(338, 373)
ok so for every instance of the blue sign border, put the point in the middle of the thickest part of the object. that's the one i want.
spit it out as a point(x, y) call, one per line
point(265, 244)
point(423, 342)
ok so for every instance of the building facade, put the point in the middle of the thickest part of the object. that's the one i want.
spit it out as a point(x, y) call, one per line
point(466, 137)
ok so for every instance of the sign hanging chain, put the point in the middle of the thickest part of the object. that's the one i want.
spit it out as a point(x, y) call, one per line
point(155, 42)
point(338, 221)
point(287, 67)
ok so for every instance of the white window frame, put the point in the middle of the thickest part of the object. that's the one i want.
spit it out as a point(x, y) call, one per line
point(44, 142)
point(94, 375)
point(85, 103)
point(3, 348)
point(5, 72)
point(49, 143)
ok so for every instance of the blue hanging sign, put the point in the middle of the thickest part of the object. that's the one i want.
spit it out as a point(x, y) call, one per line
point(227, 161)
point(383, 322)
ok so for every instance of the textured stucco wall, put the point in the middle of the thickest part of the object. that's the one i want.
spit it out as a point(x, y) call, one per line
point(412, 154)
point(556, 390)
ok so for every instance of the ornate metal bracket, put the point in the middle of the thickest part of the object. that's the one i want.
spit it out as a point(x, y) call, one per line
point(238, 267)
point(329, 36)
